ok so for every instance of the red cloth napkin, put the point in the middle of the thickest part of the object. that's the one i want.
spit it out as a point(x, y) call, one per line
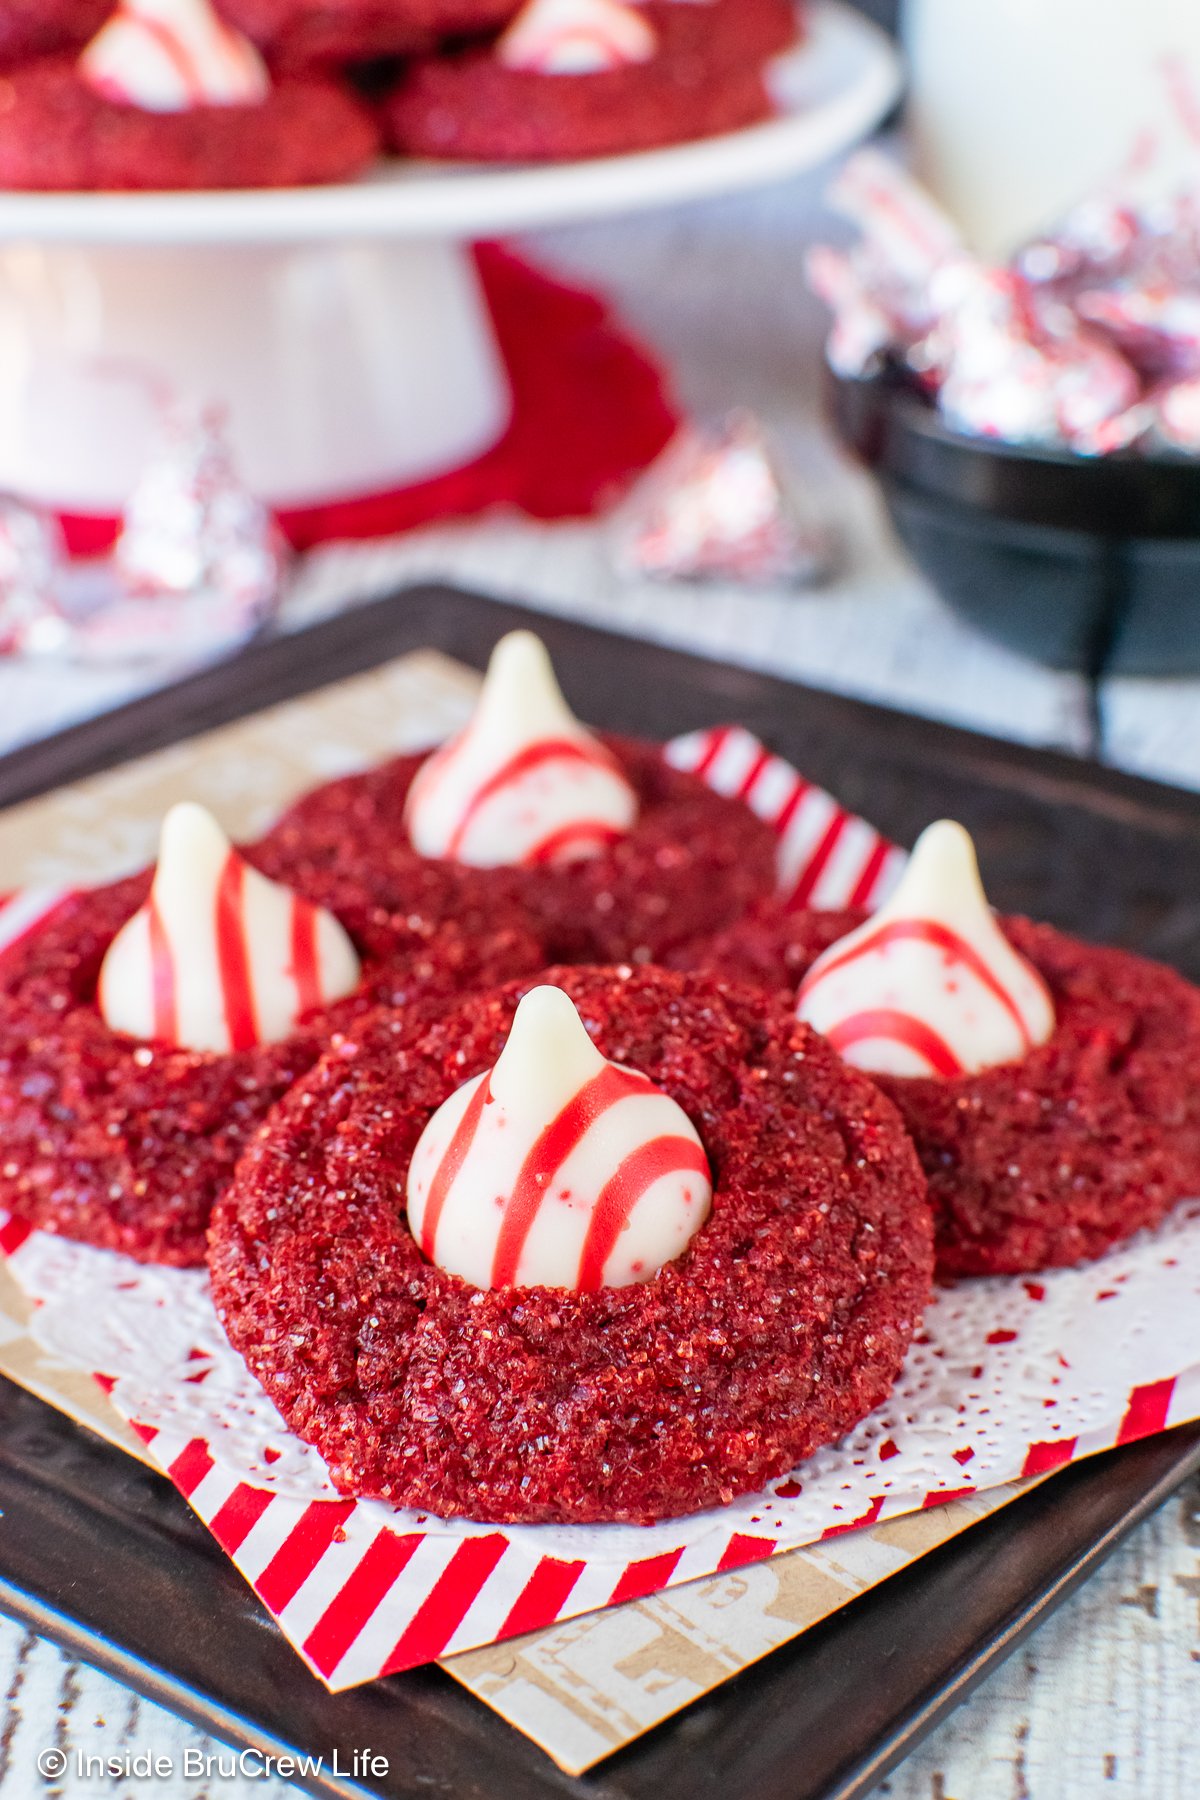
point(590, 411)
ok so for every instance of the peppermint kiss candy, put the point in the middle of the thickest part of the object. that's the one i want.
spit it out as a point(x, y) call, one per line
point(33, 556)
point(172, 55)
point(219, 958)
point(557, 1168)
point(524, 784)
point(930, 985)
point(1178, 416)
point(717, 508)
point(576, 37)
point(1018, 368)
point(193, 529)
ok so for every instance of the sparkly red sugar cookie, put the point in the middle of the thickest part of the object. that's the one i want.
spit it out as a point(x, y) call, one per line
point(59, 133)
point(784, 1322)
point(704, 77)
point(692, 862)
point(1051, 1160)
point(125, 1144)
point(295, 32)
point(747, 30)
point(30, 28)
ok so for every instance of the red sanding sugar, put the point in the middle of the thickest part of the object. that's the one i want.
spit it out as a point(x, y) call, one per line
point(783, 1324)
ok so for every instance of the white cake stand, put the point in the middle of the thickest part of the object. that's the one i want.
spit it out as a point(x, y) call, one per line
point(342, 328)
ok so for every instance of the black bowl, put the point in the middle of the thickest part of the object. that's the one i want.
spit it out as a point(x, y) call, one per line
point(1085, 563)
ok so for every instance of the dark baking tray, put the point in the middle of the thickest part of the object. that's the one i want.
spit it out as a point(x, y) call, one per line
point(102, 1555)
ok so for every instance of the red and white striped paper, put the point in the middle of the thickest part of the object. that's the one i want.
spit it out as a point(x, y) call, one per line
point(828, 858)
point(363, 1591)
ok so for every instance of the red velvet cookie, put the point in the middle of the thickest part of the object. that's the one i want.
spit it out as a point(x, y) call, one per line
point(298, 32)
point(471, 106)
point(693, 861)
point(125, 1144)
point(1052, 1160)
point(748, 30)
point(785, 1321)
point(58, 133)
point(30, 28)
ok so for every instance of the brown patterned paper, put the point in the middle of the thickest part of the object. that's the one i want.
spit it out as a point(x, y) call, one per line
point(586, 1688)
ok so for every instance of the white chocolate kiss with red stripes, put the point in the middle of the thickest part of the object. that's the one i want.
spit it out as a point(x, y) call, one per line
point(524, 784)
point(576, 37)
point(930, 985)
point(557, 1168)
point(219, 958)
point(172, 55)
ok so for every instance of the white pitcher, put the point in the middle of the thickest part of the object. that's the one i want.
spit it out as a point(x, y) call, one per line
point(1018, 108)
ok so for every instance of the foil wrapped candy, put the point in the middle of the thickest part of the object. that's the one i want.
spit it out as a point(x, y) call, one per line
point(192, 527)
point(1174, 417)
point(880, 289)
point(716, 507)
point(199, 563)
point(32, 560)
point(1078, 344)
point(1008, 368)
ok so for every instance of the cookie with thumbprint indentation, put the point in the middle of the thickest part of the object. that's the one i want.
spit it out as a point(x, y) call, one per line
point(122, 1134)
point(59, 132)
point(1053, 1157)
point(607, 852)
point(783, 1321)
point(294, 33)
point(581, 78)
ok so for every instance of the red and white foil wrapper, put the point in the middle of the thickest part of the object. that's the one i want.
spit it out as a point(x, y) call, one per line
point(1154, 323)
point(1009, 1377)
point(865, 326)
point(193, 530)
point(1014, 366)
point(878, 290)
point(1176, 417)
point(1096, 239)
point(717, 508)
point(32, 563)
point(1072, 346)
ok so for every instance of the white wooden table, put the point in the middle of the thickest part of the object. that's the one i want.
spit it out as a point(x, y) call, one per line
point(1104, 1702)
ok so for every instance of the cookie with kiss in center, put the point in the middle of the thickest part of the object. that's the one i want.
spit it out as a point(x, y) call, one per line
point(1048, 1084)
point(167, 96)
point(580, 78)
point(616, 1245)
point(295, 33)
point(148, 1027)
point(607, 852)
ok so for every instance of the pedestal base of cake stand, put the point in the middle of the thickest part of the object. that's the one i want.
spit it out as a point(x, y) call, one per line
point(343, 368)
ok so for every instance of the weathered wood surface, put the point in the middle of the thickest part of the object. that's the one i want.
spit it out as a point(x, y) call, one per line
point(1105, 1700)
